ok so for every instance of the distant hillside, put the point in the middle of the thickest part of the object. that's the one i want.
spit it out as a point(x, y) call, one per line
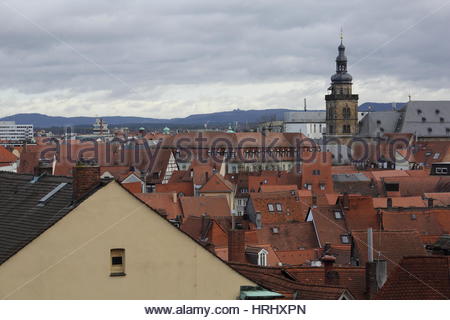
point(241, 116)
point(251, 116)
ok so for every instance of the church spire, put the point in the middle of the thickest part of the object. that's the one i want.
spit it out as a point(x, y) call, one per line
point(341, 75)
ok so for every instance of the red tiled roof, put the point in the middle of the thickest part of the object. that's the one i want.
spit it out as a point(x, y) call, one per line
point(361, 214)
point(276, 188)
point(6, 156)
point(418, 278)
point(440, 199)
point(328, 228)
point(162, 202)
point(297, 257)
point(217, 184)
point(400, 202)
point(213, 206)
point(292, 207)
point(425, 222)
point(179, 187)
point(275, 279)
point(391, 246)
point(352, 278)
point(289, 236)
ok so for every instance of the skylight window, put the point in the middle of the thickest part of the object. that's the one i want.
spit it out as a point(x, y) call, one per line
point(436, 155)
point(49, 195)
point(270, 207)
point(338, 214)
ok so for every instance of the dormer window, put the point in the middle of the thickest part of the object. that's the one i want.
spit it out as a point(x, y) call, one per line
point(279, 208)
point(262, 258)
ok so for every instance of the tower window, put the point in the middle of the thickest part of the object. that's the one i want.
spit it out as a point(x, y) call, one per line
point(346, 113)
point(117, 262)
point(346, 128)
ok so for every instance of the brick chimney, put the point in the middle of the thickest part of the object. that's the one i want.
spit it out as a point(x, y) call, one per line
point(44, 166)
point(371, 279)
point(236, 246)
point(86, 176)
point(345, 201)
point(330, 275)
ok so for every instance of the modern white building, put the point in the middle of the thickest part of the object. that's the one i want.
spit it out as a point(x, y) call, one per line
point(311, 123)
point(12, 133)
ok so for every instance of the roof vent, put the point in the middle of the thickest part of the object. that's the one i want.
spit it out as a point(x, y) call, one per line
point(441, 119)
point(424, 119)
point(437, 111)
point(430, 129)
point(419, 111)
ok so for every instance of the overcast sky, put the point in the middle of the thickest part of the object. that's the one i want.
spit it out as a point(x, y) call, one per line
point(172, 58)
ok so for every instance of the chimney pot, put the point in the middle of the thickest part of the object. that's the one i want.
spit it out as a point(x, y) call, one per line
point(86, 176)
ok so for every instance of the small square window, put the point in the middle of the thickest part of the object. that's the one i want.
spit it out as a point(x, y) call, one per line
point(322, 186)
point(436, 155)
point(117, 262)
point(270, 207)
point(338, 214)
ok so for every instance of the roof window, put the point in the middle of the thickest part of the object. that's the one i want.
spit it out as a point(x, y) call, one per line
point(437, 111)
point(279, 207)
point(424, 119)
point(270, 207)
point(419, 111)
point(345, 239)
point(338, 214)
point(49, 195)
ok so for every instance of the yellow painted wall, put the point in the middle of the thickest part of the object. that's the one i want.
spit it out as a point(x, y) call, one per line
point(71, 260)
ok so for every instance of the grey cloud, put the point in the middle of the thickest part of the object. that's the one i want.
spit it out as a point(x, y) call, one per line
point(142, 46)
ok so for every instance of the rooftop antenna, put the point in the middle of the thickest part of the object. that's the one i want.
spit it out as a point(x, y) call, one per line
point(304, 101)
point(409, 96)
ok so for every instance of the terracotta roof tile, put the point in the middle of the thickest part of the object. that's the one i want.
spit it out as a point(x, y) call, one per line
point(418, 278)
point(400, 202)
point(6, 156)
point(218, 184)
point(213, 206)
point(391, 246)
point(165, 203)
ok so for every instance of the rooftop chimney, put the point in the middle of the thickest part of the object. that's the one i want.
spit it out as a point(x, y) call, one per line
point(44, 166)
point(331, 276)
point(345, 200)
point(389, 202)
point(236, 246)
point(86, 176)
point(174, 197)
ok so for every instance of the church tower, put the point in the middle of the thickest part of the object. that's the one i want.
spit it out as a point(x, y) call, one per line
point(341, 103)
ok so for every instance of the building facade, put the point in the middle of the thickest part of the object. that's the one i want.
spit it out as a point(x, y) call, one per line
point(12, 133)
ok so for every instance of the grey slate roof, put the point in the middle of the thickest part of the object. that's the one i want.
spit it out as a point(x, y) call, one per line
point(419, 116)
point(305, 117)
point(377, 123)
point(22, 216)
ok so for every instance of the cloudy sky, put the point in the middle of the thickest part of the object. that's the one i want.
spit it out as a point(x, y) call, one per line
point(172, 58)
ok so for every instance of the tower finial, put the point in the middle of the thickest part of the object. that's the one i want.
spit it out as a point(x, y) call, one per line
point(342, 35)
